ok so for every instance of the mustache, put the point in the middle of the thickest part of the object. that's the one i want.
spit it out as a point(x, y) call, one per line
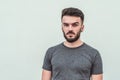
point(70, 32)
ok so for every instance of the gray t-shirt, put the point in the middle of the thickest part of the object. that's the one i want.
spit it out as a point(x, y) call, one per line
point(72, 63)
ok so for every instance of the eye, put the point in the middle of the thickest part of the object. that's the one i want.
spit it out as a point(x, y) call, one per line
point(65, 24)
point(75, 24)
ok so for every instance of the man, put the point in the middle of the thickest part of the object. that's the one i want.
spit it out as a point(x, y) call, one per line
point(73, 59)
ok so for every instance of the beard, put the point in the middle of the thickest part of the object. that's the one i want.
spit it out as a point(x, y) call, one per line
point(71, 40)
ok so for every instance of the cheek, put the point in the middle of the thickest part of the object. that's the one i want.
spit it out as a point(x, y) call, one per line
point(77, 31)
point(64, 30)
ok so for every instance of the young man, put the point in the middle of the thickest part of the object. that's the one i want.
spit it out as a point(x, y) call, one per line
point(73, 59)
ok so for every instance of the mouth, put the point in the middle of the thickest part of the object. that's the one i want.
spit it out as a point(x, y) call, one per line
point(70, 35)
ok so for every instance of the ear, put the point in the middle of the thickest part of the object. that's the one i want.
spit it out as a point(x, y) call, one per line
point(82, 28)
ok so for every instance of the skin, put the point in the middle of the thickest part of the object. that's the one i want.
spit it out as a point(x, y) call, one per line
point(46, 75)
point(75, 25)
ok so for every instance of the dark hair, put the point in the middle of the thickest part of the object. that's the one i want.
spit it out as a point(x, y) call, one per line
point(72, 12)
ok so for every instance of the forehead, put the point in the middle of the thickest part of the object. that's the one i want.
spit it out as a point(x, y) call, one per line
point(71, 19)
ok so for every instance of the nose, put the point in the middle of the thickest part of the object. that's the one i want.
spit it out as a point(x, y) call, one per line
point(70, 27)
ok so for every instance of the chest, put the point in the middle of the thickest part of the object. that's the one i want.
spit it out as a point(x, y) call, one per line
point(71, 60)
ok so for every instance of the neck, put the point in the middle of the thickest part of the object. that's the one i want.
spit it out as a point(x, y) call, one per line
point(73, 44)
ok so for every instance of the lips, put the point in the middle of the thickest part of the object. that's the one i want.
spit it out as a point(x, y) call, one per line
point(70, 34)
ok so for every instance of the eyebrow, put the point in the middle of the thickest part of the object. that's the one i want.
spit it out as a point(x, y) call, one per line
point(71, 23)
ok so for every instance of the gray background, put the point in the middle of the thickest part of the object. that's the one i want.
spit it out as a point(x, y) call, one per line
point(29, 27)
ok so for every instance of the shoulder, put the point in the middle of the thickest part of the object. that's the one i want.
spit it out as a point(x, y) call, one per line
point(52, 49)
point(91, 50)
point(93, 53)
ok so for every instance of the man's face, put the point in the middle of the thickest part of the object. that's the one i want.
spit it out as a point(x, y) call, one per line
point(72, 27)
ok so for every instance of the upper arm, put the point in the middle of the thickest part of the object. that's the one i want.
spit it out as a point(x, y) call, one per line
point(97, 68)
point(47, 66)
point(46, 75)
point(97, 77)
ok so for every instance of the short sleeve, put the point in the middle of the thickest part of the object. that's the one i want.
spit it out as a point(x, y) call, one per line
point(97, 67)
point(47, 61)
